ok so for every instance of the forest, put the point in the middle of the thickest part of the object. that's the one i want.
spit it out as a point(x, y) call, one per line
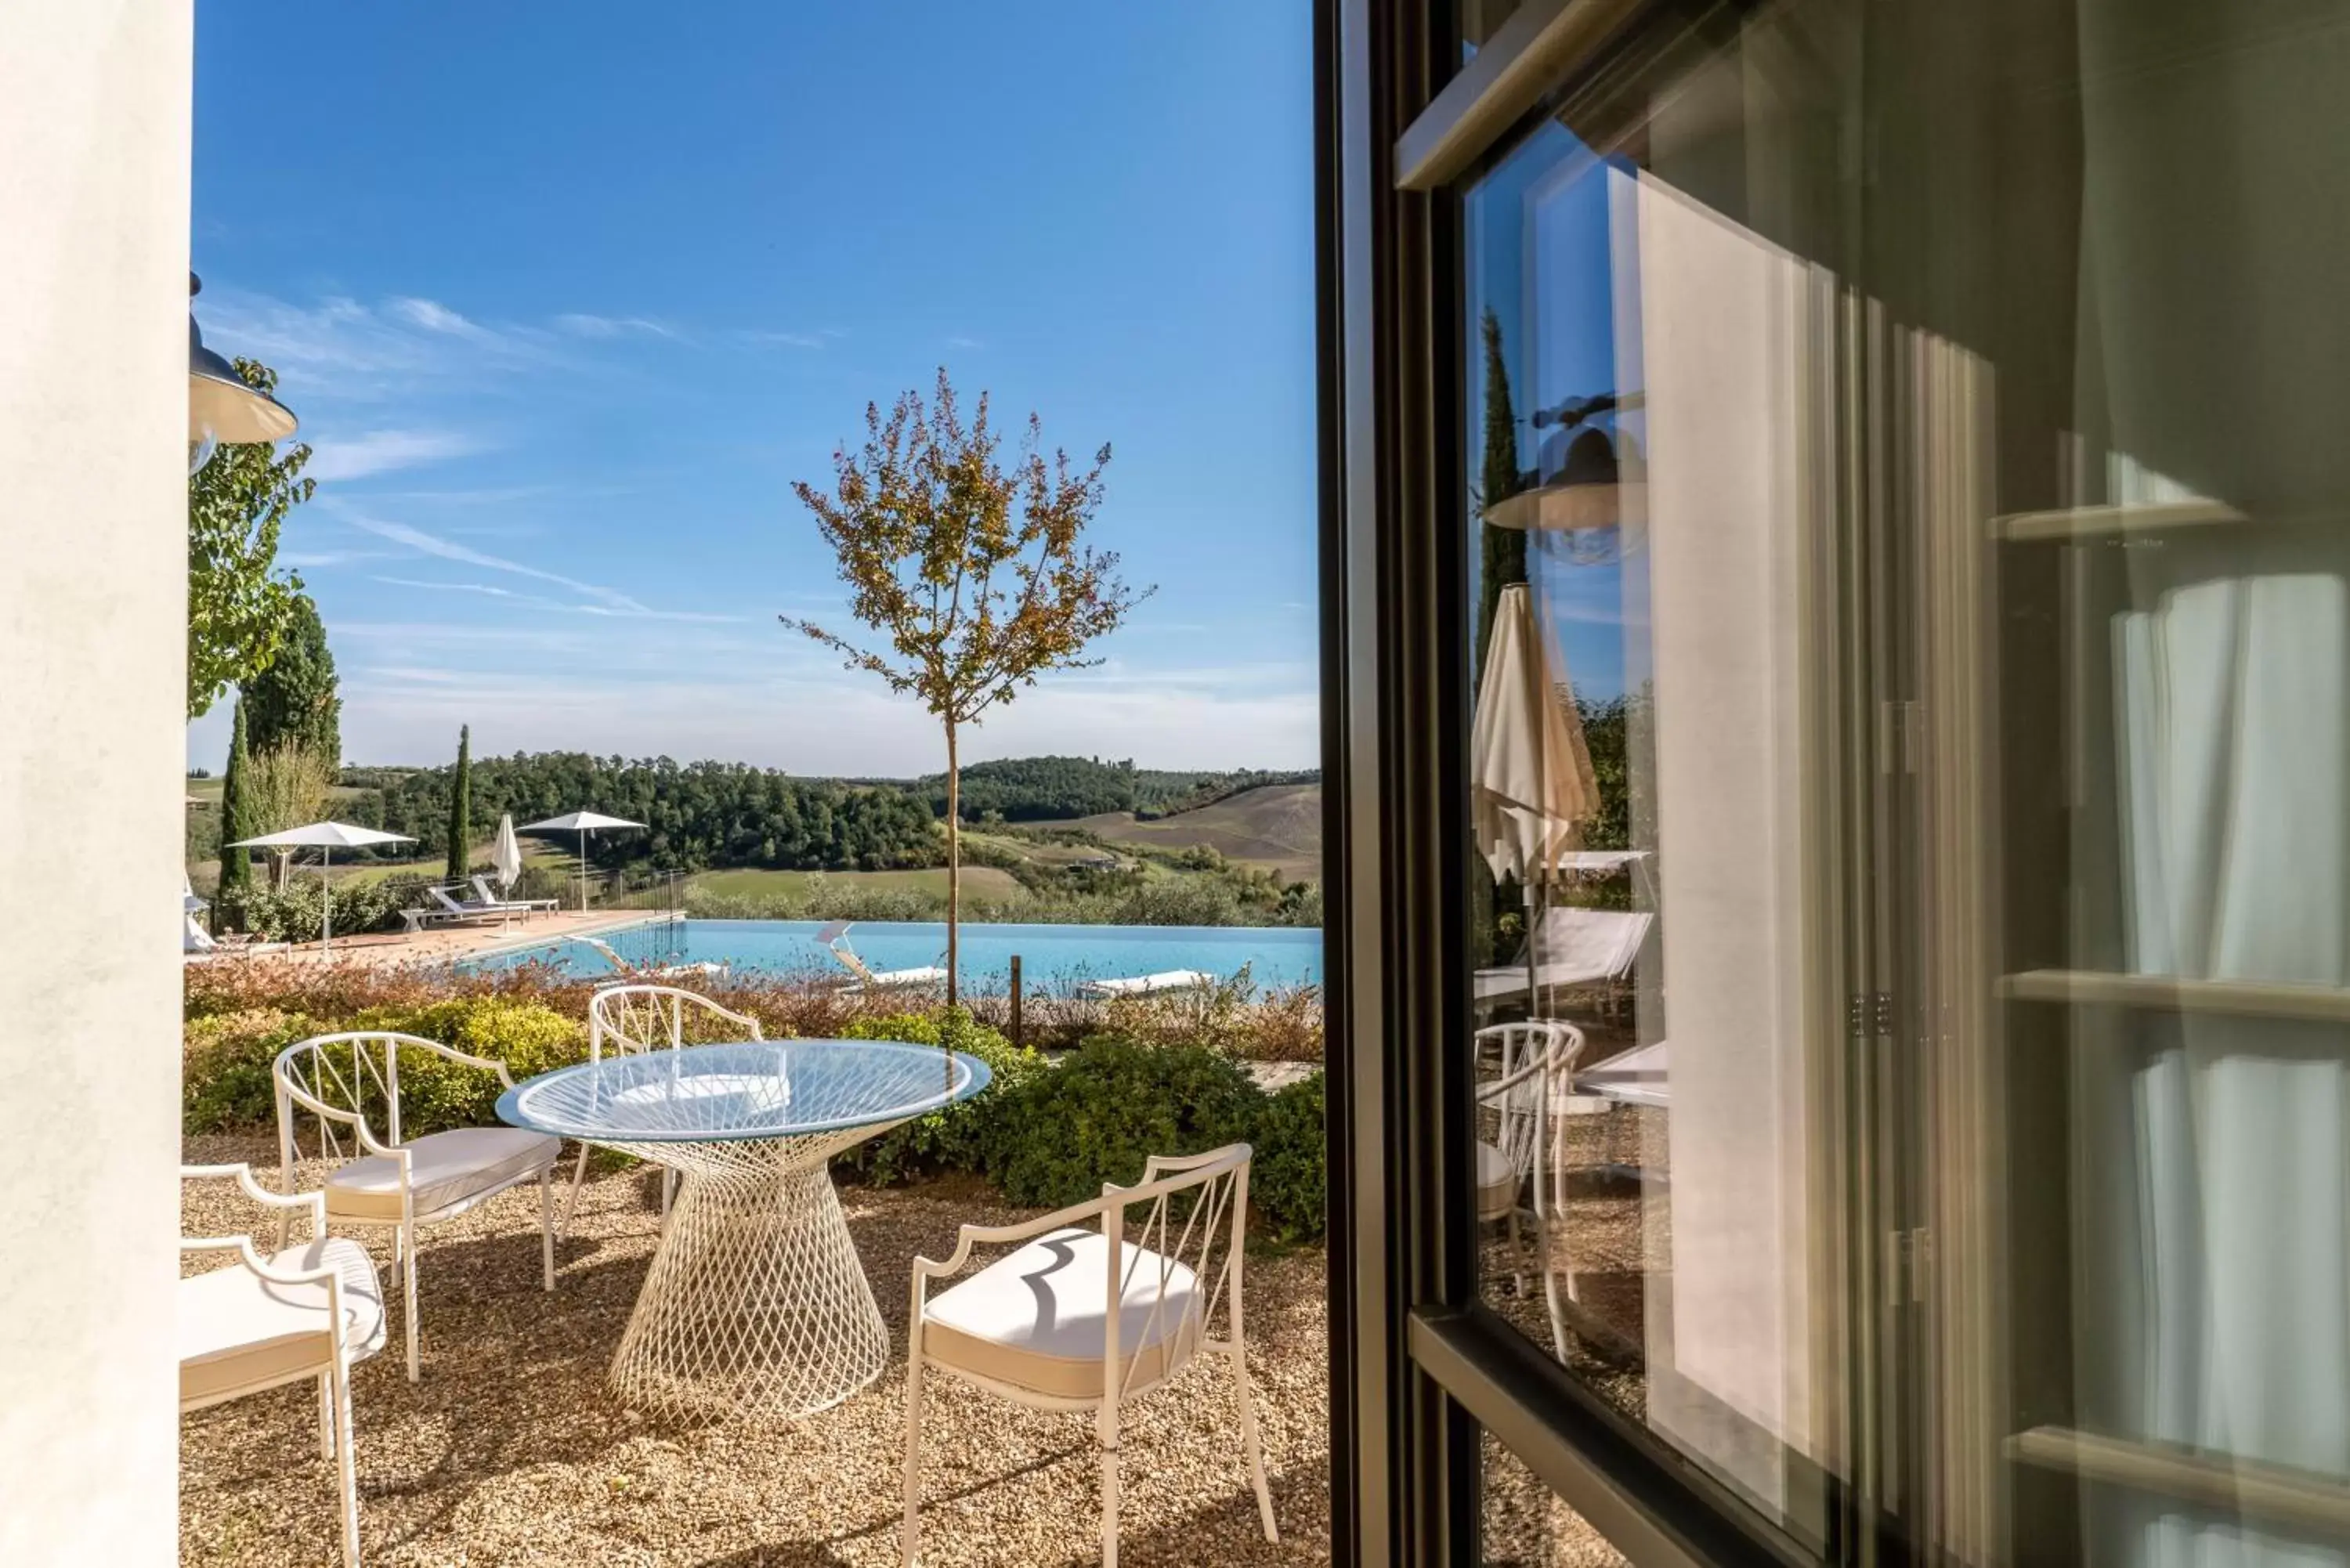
point(1049, 789)
point(699, 815)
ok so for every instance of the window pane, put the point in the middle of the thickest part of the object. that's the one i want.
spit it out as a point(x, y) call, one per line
point(1524, 1525)
point(1909, 543)
point(1657, 1042)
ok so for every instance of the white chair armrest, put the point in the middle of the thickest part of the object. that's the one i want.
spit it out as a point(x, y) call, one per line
point(315, 1202)
point(972, 1236)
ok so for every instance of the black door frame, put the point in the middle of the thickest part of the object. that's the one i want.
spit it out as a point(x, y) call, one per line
point(1419, 1367)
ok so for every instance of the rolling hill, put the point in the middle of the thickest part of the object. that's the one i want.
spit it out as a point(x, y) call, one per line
point(1277, 826)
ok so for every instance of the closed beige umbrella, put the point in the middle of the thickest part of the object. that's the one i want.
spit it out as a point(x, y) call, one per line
point(1530, 770)
point(1532, 787)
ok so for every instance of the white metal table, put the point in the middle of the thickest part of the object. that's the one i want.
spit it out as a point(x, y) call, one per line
point(755, 1298)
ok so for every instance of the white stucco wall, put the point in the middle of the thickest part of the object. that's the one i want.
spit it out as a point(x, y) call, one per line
point(94, 161)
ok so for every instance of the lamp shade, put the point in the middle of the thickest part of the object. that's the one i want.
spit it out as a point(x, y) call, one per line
point(221, 407)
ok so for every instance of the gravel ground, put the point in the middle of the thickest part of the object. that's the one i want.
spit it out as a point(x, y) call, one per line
point(512, 1449)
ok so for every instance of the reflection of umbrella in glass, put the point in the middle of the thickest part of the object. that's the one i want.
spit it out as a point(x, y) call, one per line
point(1532, 787)
point(583, 823)
point(325, 838)
point(506, 858)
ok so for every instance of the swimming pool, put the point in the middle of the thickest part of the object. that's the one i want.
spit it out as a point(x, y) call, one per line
point(1050, 956)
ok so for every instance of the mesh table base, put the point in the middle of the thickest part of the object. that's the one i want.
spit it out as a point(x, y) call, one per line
point(755, 1299)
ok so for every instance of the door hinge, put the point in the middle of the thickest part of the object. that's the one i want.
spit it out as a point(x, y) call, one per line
point(1898, 736)
point(1908, 1266)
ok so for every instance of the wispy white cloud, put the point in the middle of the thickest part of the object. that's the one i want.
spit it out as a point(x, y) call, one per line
point(434, 316)
point(298, 560)
point(449, 550)
point(603, 601)
point(339, 347)
point(581, 324)
point(490, 588)
point(961, 340)
point(785, 339)
point(380, 451)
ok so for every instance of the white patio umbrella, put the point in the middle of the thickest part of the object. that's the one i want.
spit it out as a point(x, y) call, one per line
point(1531, 783)
point(583, 823)
point(325, 837)
point(506, 858)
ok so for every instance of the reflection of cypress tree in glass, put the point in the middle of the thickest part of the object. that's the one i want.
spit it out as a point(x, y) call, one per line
point(1493, 917)
point(236, 817)
point(1502, 552)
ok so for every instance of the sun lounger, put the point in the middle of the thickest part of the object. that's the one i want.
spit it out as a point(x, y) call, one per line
point(611, 955)
point(462, 910)
point(487, 899)
point(1149, 984)
point(834, 939)
point(1573, 947)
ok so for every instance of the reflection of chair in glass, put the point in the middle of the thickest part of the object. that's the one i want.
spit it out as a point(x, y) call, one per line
point(1572, 948)
point(1043, 1326)
point(402, 1186)
point(1521, 1124)
point(304, 1313)
point(627, 1019)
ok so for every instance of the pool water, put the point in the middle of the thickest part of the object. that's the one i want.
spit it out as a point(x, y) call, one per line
point(1055, 957)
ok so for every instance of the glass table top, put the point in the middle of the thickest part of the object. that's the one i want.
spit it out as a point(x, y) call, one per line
point(772, 1089)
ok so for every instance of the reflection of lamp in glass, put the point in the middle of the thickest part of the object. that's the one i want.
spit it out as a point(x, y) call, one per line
point(1600, 485)
point(221, 406)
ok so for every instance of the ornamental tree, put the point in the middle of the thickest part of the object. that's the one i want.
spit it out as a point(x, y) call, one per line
point(973, 575)
point(239, 606)
point(295, 702)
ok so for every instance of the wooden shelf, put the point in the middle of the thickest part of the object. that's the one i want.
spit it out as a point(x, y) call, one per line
point(2169, 993)
point(2243, 1487)
point(2101, 522)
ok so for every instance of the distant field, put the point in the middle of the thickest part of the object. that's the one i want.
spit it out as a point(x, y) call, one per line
point(1278, 827)
point(984, 882)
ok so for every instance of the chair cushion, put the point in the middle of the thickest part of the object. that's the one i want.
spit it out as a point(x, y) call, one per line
point(239, 1331)
point(1497, 1182)
point(1034, 1318)
point(449, 1169)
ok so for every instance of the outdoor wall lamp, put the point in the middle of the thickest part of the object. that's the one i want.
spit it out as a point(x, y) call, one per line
point(221, 407)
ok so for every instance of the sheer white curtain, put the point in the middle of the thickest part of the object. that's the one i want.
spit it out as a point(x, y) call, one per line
point(2214, 1300)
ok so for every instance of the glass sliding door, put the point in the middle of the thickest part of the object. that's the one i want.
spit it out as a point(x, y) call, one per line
point(1851, 616)
point(1658, 549)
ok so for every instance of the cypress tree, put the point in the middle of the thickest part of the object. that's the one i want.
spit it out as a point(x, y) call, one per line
point(1501, 555)
point(295, 701)
point(461, 807)
point(236, 864)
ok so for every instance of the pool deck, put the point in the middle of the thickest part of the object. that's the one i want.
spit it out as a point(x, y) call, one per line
point(445, 944)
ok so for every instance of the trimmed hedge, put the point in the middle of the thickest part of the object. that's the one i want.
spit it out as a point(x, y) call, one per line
point(1287, 1185)
point(964, 1137)
point(224, 1069)
point(1109, 1106)
point(1047, 1135)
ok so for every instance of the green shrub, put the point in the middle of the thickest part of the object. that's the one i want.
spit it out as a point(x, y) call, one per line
point(436, 1094)
point(959, 1136)
point(1106, 1109)
point(224, 1082)
point(1287, 1181)
point(293, 914)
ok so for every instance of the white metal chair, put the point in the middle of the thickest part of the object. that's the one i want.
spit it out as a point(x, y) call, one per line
point(306, 1312)
point(1521, 1115)
point(627, 1019)
point(1084, 1319)
point(396, 1185)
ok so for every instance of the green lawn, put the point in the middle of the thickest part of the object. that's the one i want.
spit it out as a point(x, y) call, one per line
point(984, 882)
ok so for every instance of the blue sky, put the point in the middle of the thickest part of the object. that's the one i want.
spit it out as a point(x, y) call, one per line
point(567, 296)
